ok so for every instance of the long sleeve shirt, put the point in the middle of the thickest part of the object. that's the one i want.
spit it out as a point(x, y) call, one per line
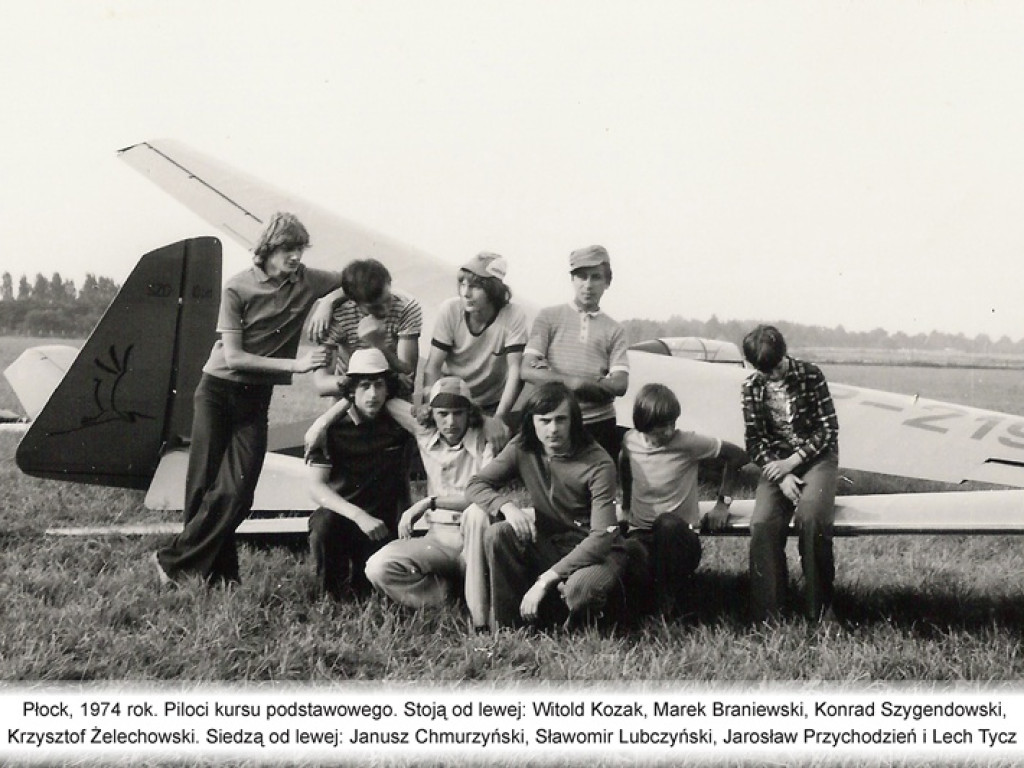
point(814, 428)
point(569, 493)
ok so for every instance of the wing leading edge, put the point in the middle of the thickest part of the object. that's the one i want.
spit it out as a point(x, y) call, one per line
point(880, 432)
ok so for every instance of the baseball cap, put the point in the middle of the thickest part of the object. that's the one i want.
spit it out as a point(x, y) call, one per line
point(450, 392)
point(591, 256)
point(367, 362)
point(487, 265)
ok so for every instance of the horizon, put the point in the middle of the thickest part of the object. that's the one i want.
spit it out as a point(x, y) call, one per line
point(854, 165)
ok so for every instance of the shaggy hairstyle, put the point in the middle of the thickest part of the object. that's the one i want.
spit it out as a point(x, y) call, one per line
point(544, 399)
point(605, 266)
point(498, 294)
point(655, 406)
point(284, 232)
point(425, 417)
point(364, 280)
point(347, 388)
point(764, 348)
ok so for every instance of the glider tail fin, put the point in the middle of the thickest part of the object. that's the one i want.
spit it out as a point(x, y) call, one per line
point(129, 392)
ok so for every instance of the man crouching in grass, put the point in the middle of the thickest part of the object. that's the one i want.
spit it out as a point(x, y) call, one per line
point(570, 538)
point(360, 480)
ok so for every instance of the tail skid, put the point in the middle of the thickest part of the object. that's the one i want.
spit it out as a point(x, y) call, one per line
point(119, 405)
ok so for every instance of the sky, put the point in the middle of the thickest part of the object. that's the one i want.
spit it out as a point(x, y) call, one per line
point(828, 163)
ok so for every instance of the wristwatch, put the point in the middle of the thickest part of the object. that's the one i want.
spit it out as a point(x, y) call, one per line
point(727, 500)
point(433, 503)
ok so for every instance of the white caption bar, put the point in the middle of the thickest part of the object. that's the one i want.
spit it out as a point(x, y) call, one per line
point(349, 722)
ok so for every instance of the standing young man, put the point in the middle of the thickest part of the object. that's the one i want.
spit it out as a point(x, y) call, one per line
point(571, 540)
point(581, 347)
point(792, 433)
point(261, 315)
point(375, 318)
point(361, 482)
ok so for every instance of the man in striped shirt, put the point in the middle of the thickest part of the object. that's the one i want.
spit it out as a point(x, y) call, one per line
point(583, 348)
point(792, 433)
point(374, 317)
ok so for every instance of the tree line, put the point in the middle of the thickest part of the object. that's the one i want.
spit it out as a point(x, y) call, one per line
point(56, 307)
point(803, 336)
point(53, 306)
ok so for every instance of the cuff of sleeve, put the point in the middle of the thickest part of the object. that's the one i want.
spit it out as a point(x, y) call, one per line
point(549, 576)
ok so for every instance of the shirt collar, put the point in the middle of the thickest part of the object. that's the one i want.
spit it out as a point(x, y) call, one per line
point(263, 277)
point(355, 416)
point(584, 312)
point(469, 441)
point(790, 372)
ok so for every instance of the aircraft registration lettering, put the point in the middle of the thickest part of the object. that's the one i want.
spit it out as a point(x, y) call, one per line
point(883, 406)
point(926, 422)
point(159, 290)
point(988, 423)
point(1017, 430)
point(839, 392)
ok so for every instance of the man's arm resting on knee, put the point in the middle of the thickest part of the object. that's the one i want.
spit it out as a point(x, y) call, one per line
point(328, 498)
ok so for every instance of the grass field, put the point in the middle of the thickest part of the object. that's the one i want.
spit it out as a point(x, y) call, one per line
point(912, 608)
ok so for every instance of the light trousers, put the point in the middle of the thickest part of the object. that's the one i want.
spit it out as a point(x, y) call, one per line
point(434, 569)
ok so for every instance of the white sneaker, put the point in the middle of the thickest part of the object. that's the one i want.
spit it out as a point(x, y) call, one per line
point(165, 580)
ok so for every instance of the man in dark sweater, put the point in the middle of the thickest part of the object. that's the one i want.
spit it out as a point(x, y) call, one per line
point(570, 537)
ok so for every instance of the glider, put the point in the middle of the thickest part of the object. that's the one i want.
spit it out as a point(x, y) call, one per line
point(121, 413)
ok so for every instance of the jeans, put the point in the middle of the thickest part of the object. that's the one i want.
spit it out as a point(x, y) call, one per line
point(769, 526)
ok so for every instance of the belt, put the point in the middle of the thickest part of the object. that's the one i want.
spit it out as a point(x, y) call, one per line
point(444, 517)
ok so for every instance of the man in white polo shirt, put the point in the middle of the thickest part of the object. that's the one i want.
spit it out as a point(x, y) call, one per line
point(583, 348)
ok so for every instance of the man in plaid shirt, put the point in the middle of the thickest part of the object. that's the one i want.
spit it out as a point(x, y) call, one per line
point(792, 433)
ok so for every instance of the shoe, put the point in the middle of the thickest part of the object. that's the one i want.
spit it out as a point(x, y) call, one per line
point(165, 580)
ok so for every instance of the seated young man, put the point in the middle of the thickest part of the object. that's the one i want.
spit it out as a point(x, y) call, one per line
point(430, 570)
point(360, 480)
point(572, 539)
point(658, 469)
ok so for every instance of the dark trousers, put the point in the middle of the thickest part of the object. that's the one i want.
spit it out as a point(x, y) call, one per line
point(229, 443)
point(340, 550)
point(769, 526)
point(606, 434)
point(514, 566)
point(671, 555)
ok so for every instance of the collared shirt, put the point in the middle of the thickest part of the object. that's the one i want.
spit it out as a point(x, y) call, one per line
point(574, 342)
point(479, 359)
point(449, 468)
point(269, 314)
point(404, 320)
point(812, 427)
